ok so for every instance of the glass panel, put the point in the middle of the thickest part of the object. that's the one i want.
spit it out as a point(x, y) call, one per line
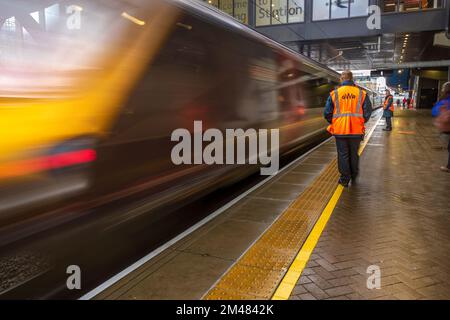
point(431, 4)
point(226, 6)
point(409, 5)
point(52, 16)
point(321, 10)
point(279, 11)
point(262, 12)
point(35, 16)
point(389, 6)
point(359, 8)
point(339, 9)
point(241, 10)
point(296, 11)
point(214, 3)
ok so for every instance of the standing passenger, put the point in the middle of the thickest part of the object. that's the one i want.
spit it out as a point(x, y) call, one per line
point(347, 109)
point(441, 111)
point(388, 108)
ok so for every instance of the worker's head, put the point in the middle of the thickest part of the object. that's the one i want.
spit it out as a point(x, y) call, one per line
point(347, 75)
point(446, 89)
point(388, 92)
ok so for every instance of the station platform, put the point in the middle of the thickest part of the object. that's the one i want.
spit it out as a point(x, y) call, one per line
point(301, 236)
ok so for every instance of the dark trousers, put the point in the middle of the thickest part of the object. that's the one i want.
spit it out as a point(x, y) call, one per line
point(389, 123)
point(348, 158)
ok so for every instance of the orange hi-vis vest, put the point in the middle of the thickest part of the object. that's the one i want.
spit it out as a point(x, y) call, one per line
point(348, 115)
point(389, 99)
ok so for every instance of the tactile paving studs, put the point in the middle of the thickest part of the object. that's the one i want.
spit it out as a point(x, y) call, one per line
point(259, 271)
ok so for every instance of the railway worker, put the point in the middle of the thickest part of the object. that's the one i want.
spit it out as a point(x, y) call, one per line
point(388, 110)
point(347, 109)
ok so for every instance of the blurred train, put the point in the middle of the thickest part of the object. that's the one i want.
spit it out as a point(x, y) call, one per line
point(90, 94)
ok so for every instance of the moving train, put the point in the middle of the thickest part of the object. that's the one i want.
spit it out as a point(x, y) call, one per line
point(90, 95)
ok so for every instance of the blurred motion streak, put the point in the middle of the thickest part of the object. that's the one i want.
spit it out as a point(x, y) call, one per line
point(46, 163)
point(133, 19)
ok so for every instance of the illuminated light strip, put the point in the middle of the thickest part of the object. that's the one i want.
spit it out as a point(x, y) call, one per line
point(294, 272)
point(133, 19)
point(57, 161)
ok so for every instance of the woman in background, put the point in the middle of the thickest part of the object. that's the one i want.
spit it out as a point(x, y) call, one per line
point(441, 112)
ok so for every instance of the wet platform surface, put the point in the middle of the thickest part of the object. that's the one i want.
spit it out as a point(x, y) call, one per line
point(396, 218)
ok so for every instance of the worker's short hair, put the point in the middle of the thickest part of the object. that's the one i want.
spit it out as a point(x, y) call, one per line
point(446, 88)
point(347, 75)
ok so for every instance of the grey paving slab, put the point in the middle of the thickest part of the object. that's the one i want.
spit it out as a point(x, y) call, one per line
point(228, 240)
point(185, 277)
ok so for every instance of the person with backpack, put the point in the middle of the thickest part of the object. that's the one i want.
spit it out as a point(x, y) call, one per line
point(441, 113)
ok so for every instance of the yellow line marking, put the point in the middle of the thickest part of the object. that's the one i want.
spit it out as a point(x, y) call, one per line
point(294, 272)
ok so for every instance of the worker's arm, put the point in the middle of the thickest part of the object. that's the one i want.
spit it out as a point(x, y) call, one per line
point(367, 109)
point(329, 110)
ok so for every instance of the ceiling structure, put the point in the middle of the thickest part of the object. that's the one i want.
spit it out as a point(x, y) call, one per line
point(376, 52)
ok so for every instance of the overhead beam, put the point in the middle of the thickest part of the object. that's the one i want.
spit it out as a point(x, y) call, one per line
point(417, 64)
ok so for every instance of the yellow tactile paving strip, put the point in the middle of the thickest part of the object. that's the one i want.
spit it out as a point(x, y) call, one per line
point(257, 274)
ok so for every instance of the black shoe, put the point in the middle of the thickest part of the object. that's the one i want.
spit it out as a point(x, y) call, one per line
point(354, 180)
point(344, 183)
point(387, 129)
point(445, 169)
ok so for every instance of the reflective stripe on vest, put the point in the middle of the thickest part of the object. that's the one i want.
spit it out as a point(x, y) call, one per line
point(336, 103)
point(343, 115)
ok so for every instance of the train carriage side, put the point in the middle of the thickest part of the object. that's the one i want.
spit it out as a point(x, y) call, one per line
point(206, 67)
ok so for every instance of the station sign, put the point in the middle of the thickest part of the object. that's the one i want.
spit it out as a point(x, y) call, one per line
point(271, 12)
